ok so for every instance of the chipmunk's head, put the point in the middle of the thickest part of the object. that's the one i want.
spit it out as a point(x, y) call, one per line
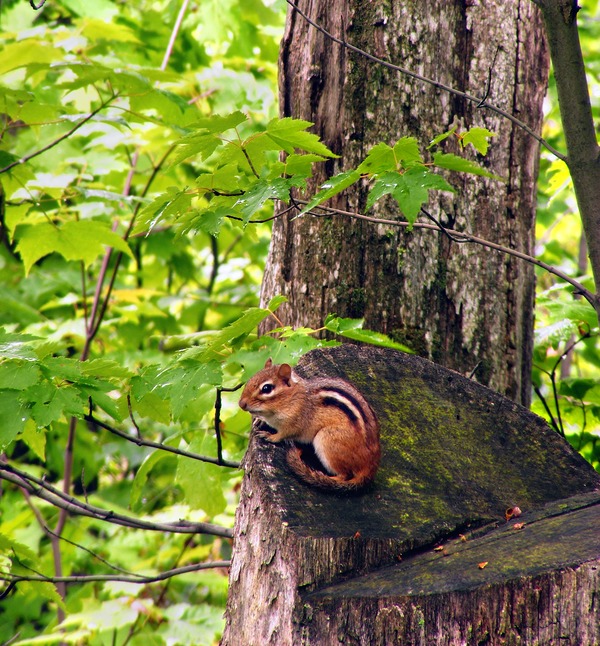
point(268, 389)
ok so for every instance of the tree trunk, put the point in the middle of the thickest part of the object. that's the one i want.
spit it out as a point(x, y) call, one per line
point(426, 556)
point(459, 304)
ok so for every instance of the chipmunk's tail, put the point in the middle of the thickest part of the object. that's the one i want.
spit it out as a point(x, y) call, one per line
point(324, 481)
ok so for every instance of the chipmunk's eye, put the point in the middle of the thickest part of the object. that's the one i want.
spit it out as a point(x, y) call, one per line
point(265, 389)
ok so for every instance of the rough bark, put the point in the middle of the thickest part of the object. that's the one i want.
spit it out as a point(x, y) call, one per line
point(460, 305)
point(538, 586)
point(311, 567)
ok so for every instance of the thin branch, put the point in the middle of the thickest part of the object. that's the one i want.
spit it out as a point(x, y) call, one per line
point(462, 236)
point(174, 32)
point(131, 417)
point(99, 317)
point(541, 397)
point(397, 68)
point(45, 491)
point(64, 136)
point(163, 447)
point(50, 533)
point(87, 578)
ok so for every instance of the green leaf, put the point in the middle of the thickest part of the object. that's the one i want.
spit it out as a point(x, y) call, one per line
point(276, 301)
point(206, 137)
point(141, 476)
point(407, 150)
point(437, 140)
point(105, 368)
point(15, 346)
point(189, 381)
point(217, 124)
point(209, 221)
point(263, 190)
point(478, 138)
point(107, 30)
point(555, 333)
point(578, 311)
point(225, 179)
point(81, 240)
point(35, 439)
point(582, 389)
point(301, 164)
point(153, 406)
point(352, 329)
point(461, 165)
point(18, 374)
point(209, 496)
point(51, 403)
point(13, 416)
point(379, 159)
point(291, 134)
point(173, 203)
point(382, 158)
point(236, 331)
point(386, 184)
point(410, 189)
point(10, 546)
point(26, 52)
point(332, 187)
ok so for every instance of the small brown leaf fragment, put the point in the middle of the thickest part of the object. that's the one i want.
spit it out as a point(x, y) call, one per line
point(482, 565)
point(518, 525)
point(438, 548)
point(512, 512)
point(463, 538)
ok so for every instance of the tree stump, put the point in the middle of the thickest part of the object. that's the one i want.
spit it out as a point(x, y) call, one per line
point(426, 555)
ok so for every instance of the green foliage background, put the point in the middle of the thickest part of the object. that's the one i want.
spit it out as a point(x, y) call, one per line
point(138, 166)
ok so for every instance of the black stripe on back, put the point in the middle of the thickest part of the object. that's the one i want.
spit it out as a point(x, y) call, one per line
point(332, 401)
point(346, 395)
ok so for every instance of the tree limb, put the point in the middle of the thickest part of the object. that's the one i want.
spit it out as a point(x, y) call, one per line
point(560, 20)
point(462, 236)
point(133, 578)
point(40, 488)
point(163, 447)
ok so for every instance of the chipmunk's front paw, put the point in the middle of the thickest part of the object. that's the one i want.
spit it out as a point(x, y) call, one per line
point(261, 429)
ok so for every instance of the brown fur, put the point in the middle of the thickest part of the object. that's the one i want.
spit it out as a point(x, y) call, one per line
point(328, 413)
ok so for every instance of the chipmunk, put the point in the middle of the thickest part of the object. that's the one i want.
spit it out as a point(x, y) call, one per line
point(328, 413)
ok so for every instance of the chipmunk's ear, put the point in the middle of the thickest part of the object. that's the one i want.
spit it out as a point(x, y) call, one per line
point(268, 363)
point(285, 372)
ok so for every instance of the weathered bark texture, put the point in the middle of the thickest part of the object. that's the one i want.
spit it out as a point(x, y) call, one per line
point(458, 304)
point(311, 567)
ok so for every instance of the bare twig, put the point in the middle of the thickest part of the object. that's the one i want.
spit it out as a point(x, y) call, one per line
point(64, 136)
point(163, 447)
point(174, 32)
point(135, 578)
point(462, 236)
point(40, 488)
point(551, 417)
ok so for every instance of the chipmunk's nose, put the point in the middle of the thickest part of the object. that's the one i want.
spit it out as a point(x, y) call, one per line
point(243, 404)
